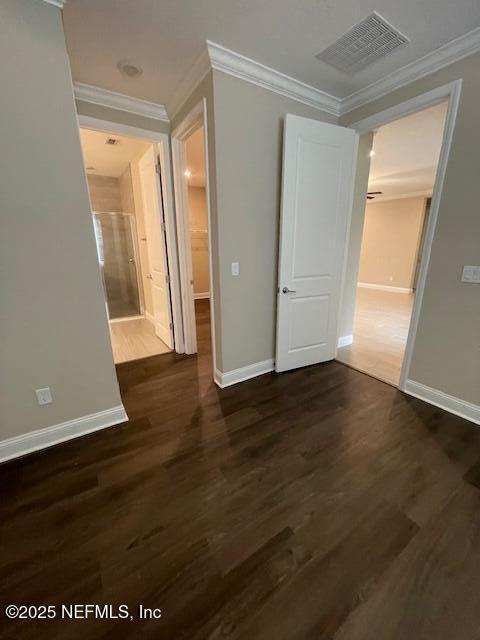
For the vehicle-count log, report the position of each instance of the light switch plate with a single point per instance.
(235, 268)
(471, 274)
(44, 396)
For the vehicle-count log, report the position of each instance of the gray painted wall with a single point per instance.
(447, 349)
(248, 133)
(54, 329)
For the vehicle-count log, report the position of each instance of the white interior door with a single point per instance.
(156, 245)
(318, 174)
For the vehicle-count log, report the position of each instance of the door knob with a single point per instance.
(287, 290)
(131, 260)
(150, 277)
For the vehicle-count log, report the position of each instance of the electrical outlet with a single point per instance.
(44, 396)
(235, 268)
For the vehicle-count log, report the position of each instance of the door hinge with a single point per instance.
(171, 326)
(167, 279)
(158, 168)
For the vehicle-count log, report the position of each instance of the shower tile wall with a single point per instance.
(104, 193)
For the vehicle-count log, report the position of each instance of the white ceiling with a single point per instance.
(165, 37)
(196, 158)
(406, 153)
(109, 160)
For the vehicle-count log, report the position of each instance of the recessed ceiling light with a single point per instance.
(129, 69)
(188, 174)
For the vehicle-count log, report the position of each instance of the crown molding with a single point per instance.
(214, 56)
(461, 47)
(189, 83)
(105, 98)
(256, 73)
(56, 3)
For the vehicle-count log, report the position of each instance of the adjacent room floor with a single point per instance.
(382, 319)
(319, 503)
(135, 339)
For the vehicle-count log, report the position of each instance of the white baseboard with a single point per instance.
(244, 373)
(444, 401)
(201, 296)
(127, 319)
(43, 438)
(344, 341)
(383, 287)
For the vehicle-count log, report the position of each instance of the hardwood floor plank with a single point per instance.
(319, 503)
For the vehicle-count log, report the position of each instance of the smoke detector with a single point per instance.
(364, 44)
(129, 69)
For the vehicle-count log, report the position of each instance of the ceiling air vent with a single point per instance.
(111, 141)
(367, 42)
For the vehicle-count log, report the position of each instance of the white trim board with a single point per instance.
(239, 66)
(96, 124)
(201, 296)
(139, 316)
(443, 400)
(120, 101)
(49, 436)
(56, 3)
(344, 341)
(383, 287)
(235, 376)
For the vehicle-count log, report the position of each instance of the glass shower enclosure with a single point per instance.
(115, 236)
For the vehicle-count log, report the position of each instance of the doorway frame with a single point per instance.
(193, 120)
(161, 141)
(450, 92)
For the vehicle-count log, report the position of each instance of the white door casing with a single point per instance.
(317, 191)
(156, 246)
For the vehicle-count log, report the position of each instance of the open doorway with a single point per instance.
(193, 218)
(127, 214)
(403, 167)
(198, 235)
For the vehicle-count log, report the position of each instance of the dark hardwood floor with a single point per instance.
(310, 505)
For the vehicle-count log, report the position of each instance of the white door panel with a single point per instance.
(156, 246)
(317, 189)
